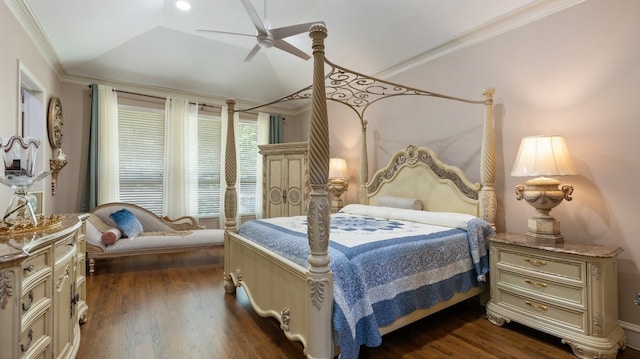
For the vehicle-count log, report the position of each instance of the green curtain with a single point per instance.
(276, 129)
(90, 195)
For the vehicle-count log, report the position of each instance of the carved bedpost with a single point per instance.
(230, 195)
(488, 202)
(364, 163)
(319, 276)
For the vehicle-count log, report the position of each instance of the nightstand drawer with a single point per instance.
(573, 270)
(542, 311)
(560, 293)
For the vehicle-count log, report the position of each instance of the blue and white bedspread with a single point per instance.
(386, 263)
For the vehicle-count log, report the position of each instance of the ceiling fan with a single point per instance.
(270, 37)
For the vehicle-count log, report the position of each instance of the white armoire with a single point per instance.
(285, 182)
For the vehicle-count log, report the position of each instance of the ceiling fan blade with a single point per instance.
(286, 31)
(253, 53)
(285, 46)
(224, 32)
(255, 18)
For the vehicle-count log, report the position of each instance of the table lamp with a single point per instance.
(542, 156)
(338, 181)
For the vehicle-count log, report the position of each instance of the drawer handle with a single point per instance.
(536, 262)
(537, 306)
(536, 284)
(25, 306)
(29, 268)
(25, 347)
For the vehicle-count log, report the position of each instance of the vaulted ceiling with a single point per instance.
(152, 43)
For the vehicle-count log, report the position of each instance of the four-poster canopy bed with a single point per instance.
(307, 293)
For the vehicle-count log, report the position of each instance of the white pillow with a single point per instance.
(447, 219)
(400, 202)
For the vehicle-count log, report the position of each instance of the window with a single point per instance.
(141, 154)
(248, 165)
(209, 164)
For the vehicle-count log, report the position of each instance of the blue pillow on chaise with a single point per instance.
(127, 223)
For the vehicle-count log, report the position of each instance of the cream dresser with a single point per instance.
(568, 290)
(42, 291)
(285, 179)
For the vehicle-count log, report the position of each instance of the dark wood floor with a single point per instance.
(174, 306)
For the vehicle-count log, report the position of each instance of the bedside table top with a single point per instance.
(583, 249)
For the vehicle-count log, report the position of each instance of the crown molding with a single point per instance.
(23, 13)
(515, 19)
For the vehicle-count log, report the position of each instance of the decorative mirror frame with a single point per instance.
(54, 127)
(55, 122)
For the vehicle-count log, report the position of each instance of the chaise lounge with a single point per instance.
(108, 236)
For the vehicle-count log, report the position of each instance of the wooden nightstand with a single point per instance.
(568, 290)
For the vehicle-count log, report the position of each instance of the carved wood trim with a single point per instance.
(285, 316)
(413, 156)
(6, 287)
(317, 289)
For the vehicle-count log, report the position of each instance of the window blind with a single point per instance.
(141, 153)
(248, 156)
(209, 164)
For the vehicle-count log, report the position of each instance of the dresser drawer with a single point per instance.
(64, 246)
(542, 288)
(33, 295)
(540, 311)
(35, 264)
(40, 349)
(34, 334)
(573, 270)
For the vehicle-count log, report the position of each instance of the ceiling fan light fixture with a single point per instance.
(267, 37)
(183, 5)
(265, 41)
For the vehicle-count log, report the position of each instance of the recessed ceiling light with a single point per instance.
(183, 5)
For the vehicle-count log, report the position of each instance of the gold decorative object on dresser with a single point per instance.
(42, 290)
(569, 290)
(285, 182)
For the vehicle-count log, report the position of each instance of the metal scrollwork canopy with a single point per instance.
(358, 91)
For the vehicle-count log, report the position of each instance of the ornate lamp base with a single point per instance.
(545, 229)
(337, 187)
(544, 194)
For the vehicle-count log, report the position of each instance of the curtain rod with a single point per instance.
(160, 97)
(164, 98)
